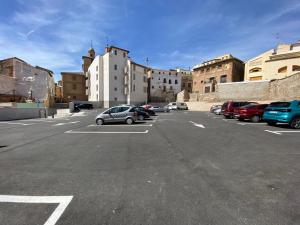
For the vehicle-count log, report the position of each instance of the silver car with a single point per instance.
(122, 113)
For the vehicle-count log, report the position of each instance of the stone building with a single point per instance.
(186, 80)
(73, 86)
(278, 63)
(58, 92)
(222, 69)
(24, 82)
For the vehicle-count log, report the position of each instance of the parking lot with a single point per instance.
(176, 168)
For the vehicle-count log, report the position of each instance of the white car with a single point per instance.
(177, 106)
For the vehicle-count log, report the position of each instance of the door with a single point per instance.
(121, 114)
(108, 116)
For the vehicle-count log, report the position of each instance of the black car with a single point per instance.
(149, 111)
(83, 106)
(141, 113)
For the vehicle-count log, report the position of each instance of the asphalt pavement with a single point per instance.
(179, 168)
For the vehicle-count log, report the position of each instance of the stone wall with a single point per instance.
(276, 90)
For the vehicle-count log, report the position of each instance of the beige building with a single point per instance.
(281, 62)
(73, 86)
(21, 81)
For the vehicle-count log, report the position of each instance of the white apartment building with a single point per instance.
(114, 79)
(164, 84)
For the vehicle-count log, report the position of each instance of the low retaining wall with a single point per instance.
(22, 113)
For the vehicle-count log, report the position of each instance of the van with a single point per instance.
(177, 106)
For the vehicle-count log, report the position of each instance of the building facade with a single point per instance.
(186, 80)
(164, 85)
(281, 62)
(24, 82)
(114, 79)
(222, 69)
(73, 86)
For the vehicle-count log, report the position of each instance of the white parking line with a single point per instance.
(14, 123)
(106, 132)
(243, 124)
(280, 132)
(197, 124)
(60, 124)
(62, 201)
(122, 125)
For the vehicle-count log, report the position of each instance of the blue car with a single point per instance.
(283, 112)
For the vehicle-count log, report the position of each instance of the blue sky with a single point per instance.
(178, 33)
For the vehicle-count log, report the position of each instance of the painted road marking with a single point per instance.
(121, 125)
(62, 201)
(60, 124)
(280, 132)
(14, 123)
(243, 124)
(197, 124)
(106, 132)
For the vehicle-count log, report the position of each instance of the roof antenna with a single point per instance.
(147, 61)
(91, 43)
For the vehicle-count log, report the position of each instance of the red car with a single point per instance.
(250, 112)
(147, 106)
(228, 108)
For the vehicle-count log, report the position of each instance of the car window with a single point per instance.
(173, 103)
(114, 110)
(236, 104)
(132, 109)
(280, 104)
(123, 109)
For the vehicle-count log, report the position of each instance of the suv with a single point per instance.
(250, 112)
(125, 114)
(283, 112)
(177, 105)
(228, 108)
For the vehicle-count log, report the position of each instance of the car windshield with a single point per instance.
(280, 104)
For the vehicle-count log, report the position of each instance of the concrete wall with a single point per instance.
(18, 114)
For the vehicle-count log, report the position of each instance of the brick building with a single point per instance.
(73, 86)
(222, 69)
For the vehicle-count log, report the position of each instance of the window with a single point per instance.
(159, 78)
(207, 89)
(223, 79)
(152, 87)
(164, 88)
(97, 97)
(176, 82)
(133, 67)
(96, 87)
(96, 68)
(116, 88)
(296, 68)
(133, 88)
(219, 66)
(171, 88)
(116, 66)
(133, 76)
(145, 70)
(124, 54)
(165, 80)
(158, 72)
(169, 73)
(116, 77)
(254, 70)
(189, 85)
(145, 89)
(152, 71)
(74, 87)
(96, 76)
(116, 99)
(115, 51)
(123, 109)
(170, 81)
(145, 79)
(282, 69)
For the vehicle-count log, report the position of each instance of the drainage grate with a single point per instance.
(3, 146)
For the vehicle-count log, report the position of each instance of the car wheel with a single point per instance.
(141, 117)
(255, 119)
(99, 121)
(295, 123)
(129, 121)
(241, 119)
(271, 123)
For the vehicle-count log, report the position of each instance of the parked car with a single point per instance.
(149, 111)
(228, 108)
(177, 106)
(141, 113)
(283, 112)
(218, 110)
(159, 109)
(147, 106)
(125, 114)
(214, 107)
(253, 112)
(83, 106)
